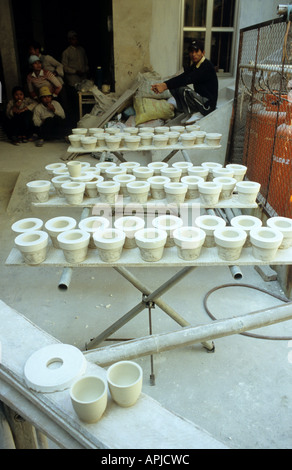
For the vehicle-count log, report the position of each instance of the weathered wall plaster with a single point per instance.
(131, 25)
(8, 48)
(165, 40)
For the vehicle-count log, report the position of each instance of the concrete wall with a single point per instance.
(132, 29)
(165, 36)
(257, 11)
(8, 49)
(146, 36)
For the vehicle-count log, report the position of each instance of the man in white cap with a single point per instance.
(74, 60)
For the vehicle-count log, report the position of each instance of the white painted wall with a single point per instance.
(257, 11)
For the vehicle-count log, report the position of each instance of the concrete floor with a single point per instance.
(241, 394)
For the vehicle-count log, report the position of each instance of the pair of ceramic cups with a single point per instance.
(89, 394)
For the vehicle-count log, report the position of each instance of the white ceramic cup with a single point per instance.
(125, 380)
(74, 168)
(89, 398)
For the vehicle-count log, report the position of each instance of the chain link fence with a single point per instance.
(261, 130)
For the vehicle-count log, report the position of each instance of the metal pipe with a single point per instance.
(229, 214)
(236, 212)
(186, 156)
(268, 67)
(190, 335)
(221, 213)
(282, 9)
(236, 272)
(65, 280)
(119, 156)
(85, 213)
(170, 155)
(210, 212)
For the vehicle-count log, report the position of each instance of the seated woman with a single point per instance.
(39, 78)
(48, 117)
(48, 62)
(19, 113)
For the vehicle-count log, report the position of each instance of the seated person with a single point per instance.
(202, 75)
(48, 117)
(48, 62)
(75, 63)
(39, 78)
(19, 113)
(74, 60)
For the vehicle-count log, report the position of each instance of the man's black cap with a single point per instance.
(197, 45)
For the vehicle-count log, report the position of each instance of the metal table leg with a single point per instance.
(152, 297)
(161, 303)
(146, 291)
(170, 155)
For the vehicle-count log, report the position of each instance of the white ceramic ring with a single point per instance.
(54, 368)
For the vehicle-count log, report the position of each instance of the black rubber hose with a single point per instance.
(251, 335)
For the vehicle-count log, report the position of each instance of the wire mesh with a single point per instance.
(261, 132)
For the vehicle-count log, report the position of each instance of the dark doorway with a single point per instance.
(49, 24)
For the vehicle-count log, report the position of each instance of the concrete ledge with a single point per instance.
(147, 425)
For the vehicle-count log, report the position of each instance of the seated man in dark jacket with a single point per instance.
(202, 75)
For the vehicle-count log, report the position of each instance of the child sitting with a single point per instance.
(48, 117)
(19, 113)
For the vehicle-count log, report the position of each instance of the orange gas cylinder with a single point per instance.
(267, 121)
(280, 187)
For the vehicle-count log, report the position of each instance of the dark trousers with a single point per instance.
(52, 128)
(21, 125)
(72, 111)
(68, 98)
(188, 101)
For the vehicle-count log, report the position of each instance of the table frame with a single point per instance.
(149, 298)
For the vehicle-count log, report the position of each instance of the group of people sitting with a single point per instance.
(50, 107)
(52, 101)
(28, 118)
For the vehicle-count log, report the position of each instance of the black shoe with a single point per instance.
(15, 140)
(39, 143)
